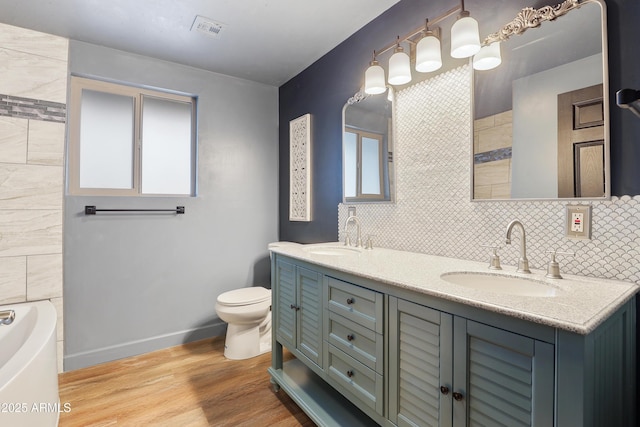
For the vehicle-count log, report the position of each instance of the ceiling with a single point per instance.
(268, 41)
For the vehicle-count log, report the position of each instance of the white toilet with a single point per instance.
(248, 314)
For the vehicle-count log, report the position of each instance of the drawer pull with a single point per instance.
(444, 390)
(351, 337)
(350, 373)
(295, 307)
(457, 396)
(350, 301)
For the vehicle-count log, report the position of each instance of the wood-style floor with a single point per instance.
(189, 385)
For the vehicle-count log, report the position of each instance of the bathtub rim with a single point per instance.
(39, 337)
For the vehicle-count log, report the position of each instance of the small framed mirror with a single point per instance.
(541, 119)
(367, 149)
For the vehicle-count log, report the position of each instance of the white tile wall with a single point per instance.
(433, 213)
(32, 132)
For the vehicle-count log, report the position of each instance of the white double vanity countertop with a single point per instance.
(574, 303)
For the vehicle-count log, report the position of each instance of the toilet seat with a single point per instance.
(244, 296)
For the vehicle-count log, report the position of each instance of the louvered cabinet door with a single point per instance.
(420, 363)
(284, 309)
(501, 378)
(309, 334)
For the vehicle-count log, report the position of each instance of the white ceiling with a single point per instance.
(268, 41)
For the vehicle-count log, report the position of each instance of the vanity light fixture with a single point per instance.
(488, 57)
(465, 38)
(399, 66)
(428, 55)
(374, 83)
(465, 42)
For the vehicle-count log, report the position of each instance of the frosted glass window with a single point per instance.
(166, 146)
(350, 164)
(129, 141)
(106, 140)
(370, 165)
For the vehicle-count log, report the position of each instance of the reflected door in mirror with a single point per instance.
(581, 170)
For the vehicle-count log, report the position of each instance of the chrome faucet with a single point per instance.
(347, 240)
(523, 262)
(7, 316)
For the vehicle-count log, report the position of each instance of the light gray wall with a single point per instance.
(534, 161)
(138, 282)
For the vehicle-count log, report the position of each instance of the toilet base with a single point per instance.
(246, 341)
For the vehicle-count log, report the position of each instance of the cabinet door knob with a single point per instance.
(350, 301)
(351, 337)
(457, 396)
(295, 307)
(349, 373)
(444, 390)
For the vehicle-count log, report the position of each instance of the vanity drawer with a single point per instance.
(355, 378)
(360, 305)
(363, 344)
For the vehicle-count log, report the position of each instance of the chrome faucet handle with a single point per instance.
(347, 240)
(553, 268)
(369, 244)
(494, 259)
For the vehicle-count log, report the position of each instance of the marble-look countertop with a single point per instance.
(579, 305)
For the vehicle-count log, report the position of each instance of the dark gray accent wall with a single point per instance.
(138, 282)
(323, 88)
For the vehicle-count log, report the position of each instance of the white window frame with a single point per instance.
(78, 84)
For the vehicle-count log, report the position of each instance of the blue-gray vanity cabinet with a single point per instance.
(446, 370)
(298, 313)
(420, 360)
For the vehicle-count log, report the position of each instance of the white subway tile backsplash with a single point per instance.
(433, 212)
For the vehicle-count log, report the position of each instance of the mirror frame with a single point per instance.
(530, 18)
(387, 155)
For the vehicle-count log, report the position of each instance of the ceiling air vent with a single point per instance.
(207, 26)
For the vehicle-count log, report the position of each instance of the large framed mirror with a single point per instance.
(367, 149)
(541, 119)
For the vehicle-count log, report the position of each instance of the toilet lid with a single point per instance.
(245, 296)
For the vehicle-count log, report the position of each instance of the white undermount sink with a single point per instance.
(503, 284)
(331, 250)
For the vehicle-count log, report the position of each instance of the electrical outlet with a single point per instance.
(578, 222)
(352, 211)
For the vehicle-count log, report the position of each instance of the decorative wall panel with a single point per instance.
(300, 169)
